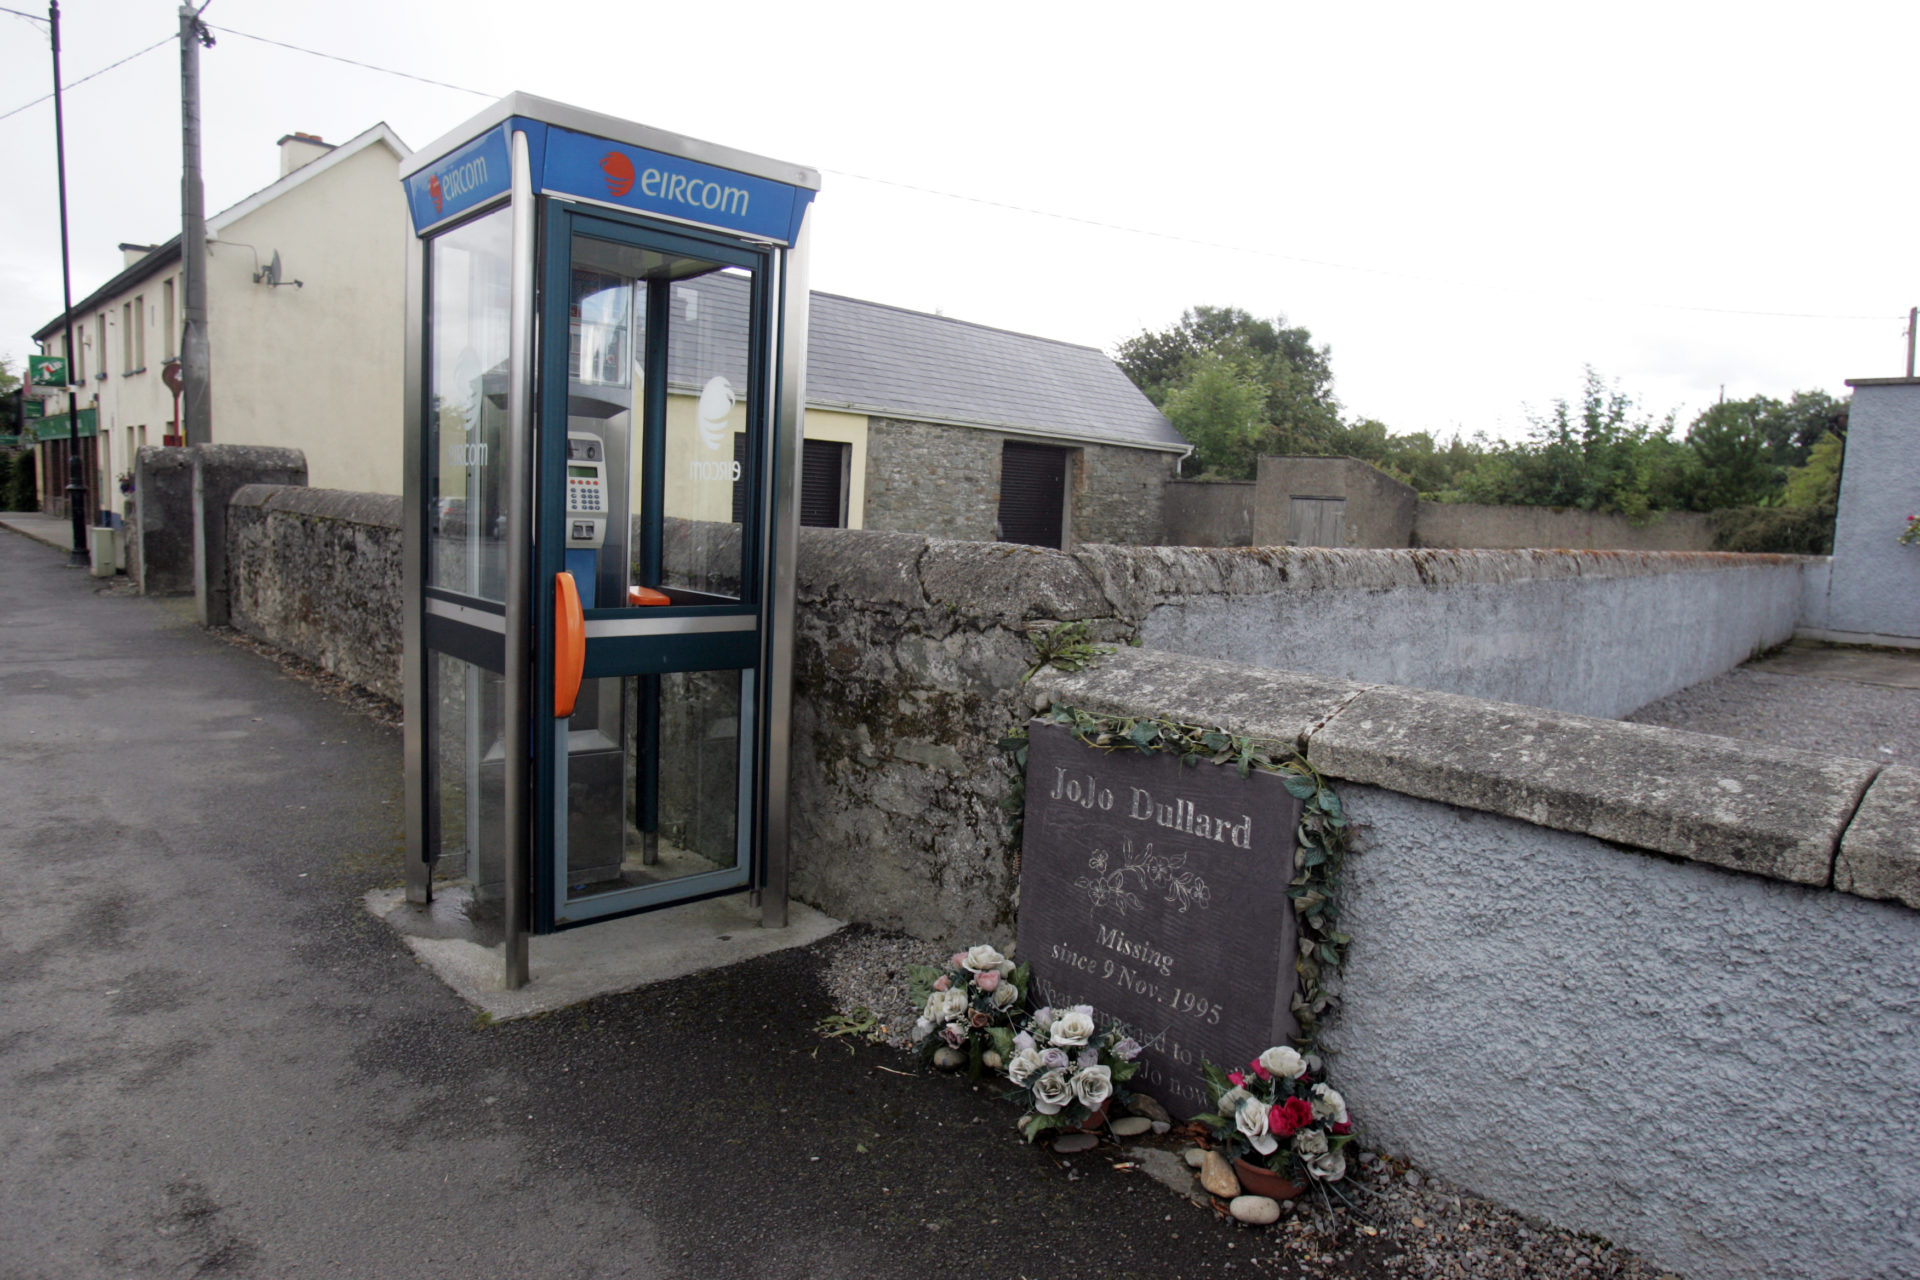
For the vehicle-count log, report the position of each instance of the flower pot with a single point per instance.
(1257, 1180)
(1093, 1123)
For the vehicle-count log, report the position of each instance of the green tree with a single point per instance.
(1817, 482)
(1736, 457)
(1220, 409)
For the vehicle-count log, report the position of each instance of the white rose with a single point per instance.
(1329, 1167)
(982, 958)
(1310, 1143)
(922, 1029)
(1230, 1100)
(1023, 1064)
(1043, 1018)
(1072, 1028)
(1329, 1105)
(1093, 1085)
(1250, 1118)
(1004, 994)
(1283, 1062)
(946, 1006)
(1052, 1092)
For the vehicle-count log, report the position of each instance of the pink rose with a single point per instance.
(959, 959)
(1259, 1070)
(941, 983)
(1237, 1079)
(987, 981)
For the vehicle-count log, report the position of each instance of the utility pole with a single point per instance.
(1913, 315)
(76, 485)
(195, 352)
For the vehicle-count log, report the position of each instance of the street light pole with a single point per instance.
(195, 349)
(76, 487)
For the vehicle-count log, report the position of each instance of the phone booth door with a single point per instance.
(651, 453)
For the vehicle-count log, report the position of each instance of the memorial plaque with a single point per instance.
(1157, 893)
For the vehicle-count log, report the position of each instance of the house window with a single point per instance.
(79, 360)
(1033, 494)
(823, 483)
(167, 331)
(100, 332)
(137, 334)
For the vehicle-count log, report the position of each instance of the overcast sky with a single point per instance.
(1467, 202)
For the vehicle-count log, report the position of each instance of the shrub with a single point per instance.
(1794, 531)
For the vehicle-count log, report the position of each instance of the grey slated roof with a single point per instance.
(872, 358)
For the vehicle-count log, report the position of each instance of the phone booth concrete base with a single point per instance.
(606, 352)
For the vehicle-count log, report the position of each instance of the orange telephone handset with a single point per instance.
(638, 596)
(569, 644)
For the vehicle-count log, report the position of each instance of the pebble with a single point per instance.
(1195, 1157)
(1413, 1179)
(1069, 1143)
(1159, 1126)
(1130, 1126)
(949, 1059)
(1145, 1105)
(1255, 1211)
(1216, 1175)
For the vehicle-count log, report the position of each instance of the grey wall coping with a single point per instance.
(378, 509)
(1731, 804)
(1880, 855)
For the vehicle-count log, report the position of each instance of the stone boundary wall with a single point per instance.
(1210, 513)
(1635, 980)
(1467, 524)
(317, 573)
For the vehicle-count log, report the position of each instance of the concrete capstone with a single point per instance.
(1880, 853)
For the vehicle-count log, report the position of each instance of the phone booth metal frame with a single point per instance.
(598, 647)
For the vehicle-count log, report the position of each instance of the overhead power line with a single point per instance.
(74, 84)
(352, 62)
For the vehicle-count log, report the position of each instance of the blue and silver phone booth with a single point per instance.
(606, 341)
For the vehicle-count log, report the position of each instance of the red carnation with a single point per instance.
(1289, 1117)
(1237, 1080)
(1343, 1128)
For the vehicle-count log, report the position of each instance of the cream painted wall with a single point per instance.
(317, 368)
(699, 481)
(128, 398)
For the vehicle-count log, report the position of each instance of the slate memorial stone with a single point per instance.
(1157, 893)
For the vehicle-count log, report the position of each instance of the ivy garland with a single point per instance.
(1322, 833)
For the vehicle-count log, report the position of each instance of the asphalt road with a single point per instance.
(214, 1062)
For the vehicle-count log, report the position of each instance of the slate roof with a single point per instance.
(867, 357)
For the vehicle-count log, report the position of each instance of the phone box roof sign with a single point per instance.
(565, 162)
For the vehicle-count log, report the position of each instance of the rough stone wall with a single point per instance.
(1715, 1070)
(163, 521)
(1209, 513)
(1466, 524)
(1875, 590)
(940, 481)
(1119, 495)
(317, 573)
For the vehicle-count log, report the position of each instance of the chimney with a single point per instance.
(297, 149)
(132, 253)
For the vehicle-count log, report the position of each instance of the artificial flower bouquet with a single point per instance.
(1066, 1068)
(1279, 1112)
(969, 1009)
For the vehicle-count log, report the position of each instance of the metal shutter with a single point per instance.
(740, 485)
(823, 469)
(1033, 493)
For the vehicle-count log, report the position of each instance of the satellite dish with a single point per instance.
(273, 269)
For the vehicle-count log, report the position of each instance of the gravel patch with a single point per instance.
(1387, 1219)
(1802, 713)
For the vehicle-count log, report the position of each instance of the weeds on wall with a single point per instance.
(1322, 836)
(1068, 646)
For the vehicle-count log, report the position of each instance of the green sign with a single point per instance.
(47, 371)
(32, 408)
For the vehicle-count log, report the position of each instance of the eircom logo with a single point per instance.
(716, 412)
(619, 171)
(439, 196)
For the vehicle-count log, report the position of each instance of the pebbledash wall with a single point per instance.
(1641, 982)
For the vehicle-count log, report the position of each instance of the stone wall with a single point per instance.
(1630, 979)
(1375, 509)
(1209, 513)
(317, 572)
(162, 535)
(944, 482)
(1466, 524)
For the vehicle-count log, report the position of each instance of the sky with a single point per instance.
(1470, 204)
